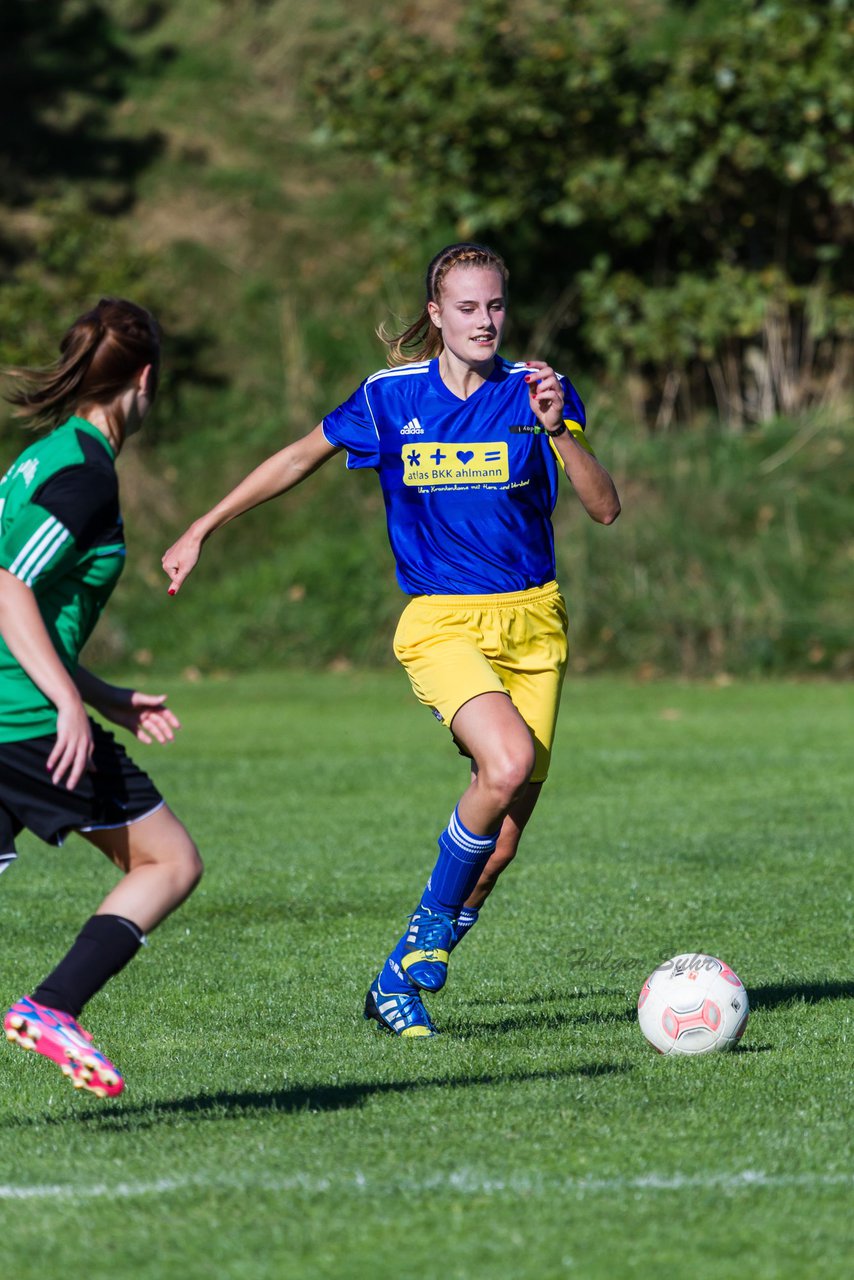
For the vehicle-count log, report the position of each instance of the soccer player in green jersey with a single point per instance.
(61, 553)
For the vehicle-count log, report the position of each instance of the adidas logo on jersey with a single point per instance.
(412, 428)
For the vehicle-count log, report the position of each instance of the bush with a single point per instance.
(671, 186)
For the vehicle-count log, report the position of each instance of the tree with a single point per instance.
(673, 190)
(67, 166)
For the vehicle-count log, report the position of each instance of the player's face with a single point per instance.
(471, 313)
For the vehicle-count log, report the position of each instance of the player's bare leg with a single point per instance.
(491, 730)
(162, 867)
(499, 742)
(506, 845)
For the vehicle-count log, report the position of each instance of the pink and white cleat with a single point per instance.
(57, 1036)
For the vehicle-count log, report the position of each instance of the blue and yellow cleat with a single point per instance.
(400, 1013)
(429, 941)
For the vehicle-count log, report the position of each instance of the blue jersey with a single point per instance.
(469, 485)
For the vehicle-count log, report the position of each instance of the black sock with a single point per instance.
(102, 948)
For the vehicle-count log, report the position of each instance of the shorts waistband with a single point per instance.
(501, 600)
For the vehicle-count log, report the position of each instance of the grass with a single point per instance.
(265, 1130)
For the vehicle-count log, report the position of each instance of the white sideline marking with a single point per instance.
(463, 1180)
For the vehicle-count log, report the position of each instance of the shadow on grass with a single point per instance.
(768, 997)
(772, 997)
(300, 1098)
(540, 1019)
(557, 995)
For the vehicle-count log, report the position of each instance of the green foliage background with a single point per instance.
(671, 183)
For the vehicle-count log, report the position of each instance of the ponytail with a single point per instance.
(99, 356)
(421, 341)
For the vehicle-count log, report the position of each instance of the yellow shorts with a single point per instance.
(456, 647)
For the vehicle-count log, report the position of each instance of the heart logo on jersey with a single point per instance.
(465, 455)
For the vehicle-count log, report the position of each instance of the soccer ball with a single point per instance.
(692, 1003)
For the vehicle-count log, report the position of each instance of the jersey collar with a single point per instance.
(83, 424)
(498, 374)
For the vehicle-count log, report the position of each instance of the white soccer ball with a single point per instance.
(692, 1003)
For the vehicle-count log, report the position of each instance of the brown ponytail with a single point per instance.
(422, 340)
(99, 356)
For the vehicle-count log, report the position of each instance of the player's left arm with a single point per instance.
(592, 483)
(145, 715)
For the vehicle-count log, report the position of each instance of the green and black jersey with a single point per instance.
(60, 534)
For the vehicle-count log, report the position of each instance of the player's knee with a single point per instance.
(508, 775)
(180, 860)
(190, 867)
(176, 850)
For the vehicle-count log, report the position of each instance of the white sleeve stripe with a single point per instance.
(62, 536)
(45, 528)
(40, 549)
(58, 541)
(27, 570)
(402, 371)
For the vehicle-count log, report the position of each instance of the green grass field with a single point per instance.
(267, 1131)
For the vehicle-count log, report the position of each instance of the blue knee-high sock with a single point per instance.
(462, 857)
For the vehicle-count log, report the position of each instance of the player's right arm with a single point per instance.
(279, 473)
(28, 641)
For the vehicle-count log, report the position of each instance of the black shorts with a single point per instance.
(113, 792)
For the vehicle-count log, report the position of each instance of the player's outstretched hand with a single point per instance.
(146, 716)
(181, 559)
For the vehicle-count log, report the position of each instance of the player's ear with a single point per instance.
(434, 314)
(145, 380)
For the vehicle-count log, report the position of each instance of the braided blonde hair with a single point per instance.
(422, 340)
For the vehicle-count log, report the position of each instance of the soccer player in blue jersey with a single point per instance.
(468, 448)
(62, 550)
